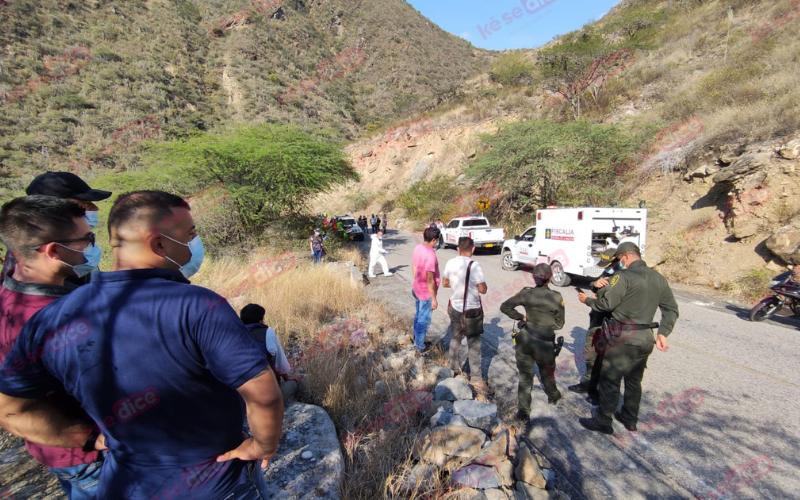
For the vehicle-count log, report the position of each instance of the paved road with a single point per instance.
(743, 410)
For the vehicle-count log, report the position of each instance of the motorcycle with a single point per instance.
(786, 292)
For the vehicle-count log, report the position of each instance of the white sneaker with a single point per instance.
(372, 276)
(389, 274)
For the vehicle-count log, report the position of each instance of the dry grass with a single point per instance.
(751, 287)
(348, 381)
(785, 212)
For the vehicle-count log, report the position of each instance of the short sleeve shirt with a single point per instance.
(18, 302)
(155, 362)
(424, 259)
(456, 271)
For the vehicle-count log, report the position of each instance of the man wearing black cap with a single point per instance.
(535, 342)
(632, 299)
(68, 186)
(593, 359)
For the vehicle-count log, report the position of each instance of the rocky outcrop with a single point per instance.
(746, 171)
(468, 445)
(309, 464)
(790, 150)
(785, 242)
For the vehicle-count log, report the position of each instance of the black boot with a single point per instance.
(594, 425)
(579, 388)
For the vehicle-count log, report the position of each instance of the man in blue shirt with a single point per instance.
(159, 364)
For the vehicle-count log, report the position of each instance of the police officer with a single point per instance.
(534, 343)
(593, 360)
(632, 299)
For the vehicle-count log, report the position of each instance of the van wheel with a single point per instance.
(508, 262)
(560, 278)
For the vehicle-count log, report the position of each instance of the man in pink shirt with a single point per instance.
(50, 238)
(425, 268)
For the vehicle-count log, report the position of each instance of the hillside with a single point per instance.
(73, 75)
(707, 85)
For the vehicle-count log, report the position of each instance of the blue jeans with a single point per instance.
(79, 482)
(422, 321)
(256, 486)
(317, 256)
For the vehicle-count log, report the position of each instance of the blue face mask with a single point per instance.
(195, 261)
(92, 219)
(93, 254)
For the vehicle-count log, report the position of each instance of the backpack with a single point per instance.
(258, 332)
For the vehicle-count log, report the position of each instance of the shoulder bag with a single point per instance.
(471, 319)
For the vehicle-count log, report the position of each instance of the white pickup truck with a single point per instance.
(478, 229)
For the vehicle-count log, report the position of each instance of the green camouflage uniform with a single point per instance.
(632, 297)
(544, 309)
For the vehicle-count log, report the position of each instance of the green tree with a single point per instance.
(538, 162)
(511, 69)
(269, 172)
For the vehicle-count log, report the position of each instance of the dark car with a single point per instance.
(351, 228)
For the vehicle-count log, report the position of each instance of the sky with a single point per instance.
(514, 29)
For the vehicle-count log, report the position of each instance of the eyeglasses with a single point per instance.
(90, 239)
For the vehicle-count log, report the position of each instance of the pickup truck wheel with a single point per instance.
(560, 278)
(508, 262)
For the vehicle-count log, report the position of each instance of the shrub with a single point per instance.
(511, 69)
(539, 162)
(269, 172)
(427, 200)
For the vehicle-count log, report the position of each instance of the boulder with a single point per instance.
(701, 172)
(528, 470)
(729, 152)
(441, 372)
(785, 242)
(523, 491)
(444, 417)
(790, 150)
(420, 476)
(452, 389)
(439, 445)
(512, 437)
(306, 429)
(742, 166)
(482, 477)
(495, 494)
(434, 406)
(495, 451)
(745, 231)
(477, 414)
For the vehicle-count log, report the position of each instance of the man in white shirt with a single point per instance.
(376, 255)
(454, 277)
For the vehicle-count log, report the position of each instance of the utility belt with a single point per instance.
(538, 335)
(614, 329)
(557, 344)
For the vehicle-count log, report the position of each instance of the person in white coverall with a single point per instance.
(376, 255)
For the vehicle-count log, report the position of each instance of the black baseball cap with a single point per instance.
(64, 185)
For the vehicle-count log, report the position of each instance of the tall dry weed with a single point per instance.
(349, 381)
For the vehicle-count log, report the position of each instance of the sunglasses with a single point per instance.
(90, 239)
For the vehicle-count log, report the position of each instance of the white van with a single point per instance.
(572, 239)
